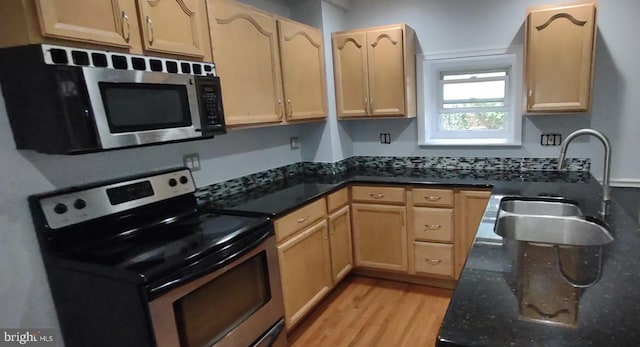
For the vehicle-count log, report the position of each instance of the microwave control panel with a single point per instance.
(210, 99)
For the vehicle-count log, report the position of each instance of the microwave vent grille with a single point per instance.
(71, 56)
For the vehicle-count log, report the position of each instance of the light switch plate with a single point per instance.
(192, 161)
(294, 142)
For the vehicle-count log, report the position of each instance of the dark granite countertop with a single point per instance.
(510, 293)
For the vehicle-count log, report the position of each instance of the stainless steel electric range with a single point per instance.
(133, 262)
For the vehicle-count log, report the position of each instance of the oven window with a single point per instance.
(139, 107)
(207, 314)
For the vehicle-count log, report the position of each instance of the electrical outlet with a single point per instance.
(385, 138)
(294, 142)
(551, 139)
(192, 161)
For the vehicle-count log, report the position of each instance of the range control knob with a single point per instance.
(184, 179)
(60, 208)
(173, 182)
(79, 204)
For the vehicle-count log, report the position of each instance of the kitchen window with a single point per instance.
(470, 99)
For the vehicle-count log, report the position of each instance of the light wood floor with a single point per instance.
(369, 312)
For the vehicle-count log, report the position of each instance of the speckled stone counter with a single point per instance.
(510, 293)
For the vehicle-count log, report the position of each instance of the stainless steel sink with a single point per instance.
(548, 221)
(540, 207)
(555, 230)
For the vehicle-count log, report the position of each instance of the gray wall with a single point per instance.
(450, 26)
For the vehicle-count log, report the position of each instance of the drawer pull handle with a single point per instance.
(432, 226)
(433, 198)
(433, 261)
(376, 196)
(302, 220)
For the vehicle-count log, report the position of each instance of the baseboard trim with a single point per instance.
(401, 277)
(626, 182)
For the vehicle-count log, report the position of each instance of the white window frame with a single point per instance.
(429, 70)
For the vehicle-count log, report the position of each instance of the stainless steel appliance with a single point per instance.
(133, 262)
(67, 100)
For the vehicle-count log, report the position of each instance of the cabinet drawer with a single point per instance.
(433, 197)
(434, 258)
(390, 195)
(433, 224)
(299, 219)
(337, 199)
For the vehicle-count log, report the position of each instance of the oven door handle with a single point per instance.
(270, 337)
(203, 267)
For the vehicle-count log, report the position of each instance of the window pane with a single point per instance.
(449, 77)
(473, 104)
(473, 121)
(474, 90)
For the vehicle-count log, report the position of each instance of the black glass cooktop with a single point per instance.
(169, 245)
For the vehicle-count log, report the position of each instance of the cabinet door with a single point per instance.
(109, 22)
(245, 49)
(386, 72)
(173, 26)
(559, 60)
(303, 76)
(305, 270)
(380, 236)
(340, 237)
(470, 206)
(350, 68)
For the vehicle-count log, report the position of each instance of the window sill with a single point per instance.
(472, 142)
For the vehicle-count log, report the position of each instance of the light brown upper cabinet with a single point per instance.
(174, 26)
(375, 72)
(248, 54)
(110, 23)
(303, 75)
(171, 28)
(560, 46)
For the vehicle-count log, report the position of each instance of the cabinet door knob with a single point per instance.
(433, 261)
(433, 198)
(376, 196)
(125, 21)
(150, 29)
(281, 108)
(302, 220)
(432, 226)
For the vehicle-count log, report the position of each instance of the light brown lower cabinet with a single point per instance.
(380, 237)
(305, 271)
(417, 235)
(470, 206)
(341, 245)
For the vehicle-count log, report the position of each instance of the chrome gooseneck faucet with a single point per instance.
(607, 156)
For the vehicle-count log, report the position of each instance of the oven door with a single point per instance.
(233, 306)
(139, 107)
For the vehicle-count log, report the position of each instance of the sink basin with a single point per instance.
(540, 207)
(555, 230)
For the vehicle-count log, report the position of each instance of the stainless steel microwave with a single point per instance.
(68, 101)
